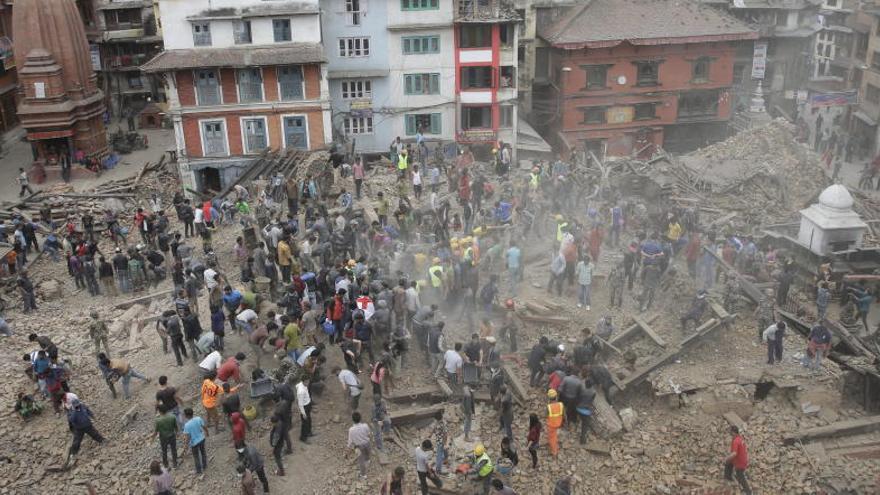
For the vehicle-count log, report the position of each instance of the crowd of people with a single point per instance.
(373, 274)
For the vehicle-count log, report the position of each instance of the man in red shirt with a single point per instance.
(239, 428)
(737, 461)
(231, 369)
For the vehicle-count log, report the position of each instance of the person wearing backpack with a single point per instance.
(79, 420)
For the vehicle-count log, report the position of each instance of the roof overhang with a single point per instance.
(717, 38)
(286, 54)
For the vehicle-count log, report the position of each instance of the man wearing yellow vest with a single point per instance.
(561, 226)
(435, 272)
(483, 467)
(402, 163)
(555, 415)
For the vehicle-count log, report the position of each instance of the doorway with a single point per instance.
(211, 179)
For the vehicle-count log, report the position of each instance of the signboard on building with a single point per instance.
(835, 99)
(477, 135)
(95, 55)
(619, 115)
(759, 60)
(361, 108)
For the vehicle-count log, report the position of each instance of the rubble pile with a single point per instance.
(763, 174)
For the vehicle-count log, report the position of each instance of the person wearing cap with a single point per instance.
(482, 468)
(696, 310)
(555, 416)
(98, 332)
(772, 338)
(230, 370)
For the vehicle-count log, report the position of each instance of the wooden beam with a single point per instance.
(410, 415)
(551, 320)
(734, 420)
(841, 428)
(649, 331)
(853, 342)
(143, 299)
(643, 371)
(630, 330)
(752, 292)
(515, 385)
(428, 392)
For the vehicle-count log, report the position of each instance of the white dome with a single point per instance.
(836, 196)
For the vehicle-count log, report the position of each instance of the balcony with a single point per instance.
(485, 11)
(127, 62)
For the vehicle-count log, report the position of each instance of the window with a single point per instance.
(354, 47)
(353, 12)
(207, 87)
(281, 28)
(596, 75)
(357, 89)
(202, 34)
(213, 139)
(506, 116)
(506, 34)
(250, 85)
(421, 84)
(875, 60)
(476, 117)
(358, 125)
(428, 123)
(594, 115)
(645, 111)
(123, 19)
(521, 54)
(415, 45)
(700, 70)
(255, 138)
(475, 36)
(872, 94)
(241, 32)
(476, 77)
(697, 104)
(135, 81)
(290, 82)
(419, 4)
(647, 73)
(507, 77)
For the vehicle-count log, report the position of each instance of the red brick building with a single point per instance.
(631, 73)
(242, 76)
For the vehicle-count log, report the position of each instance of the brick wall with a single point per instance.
(192, 136)
(229, 88)
(316, 130)
(186, 89)
(270, 84)
(312, 78)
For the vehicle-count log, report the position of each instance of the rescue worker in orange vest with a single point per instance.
(555, 415)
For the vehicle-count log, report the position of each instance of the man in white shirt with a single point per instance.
(452, 362)
(211, 363)
(304, 402)
(412, 299)
(351, 384)
(246, 320)
(210, 280)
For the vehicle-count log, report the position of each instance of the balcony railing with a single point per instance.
(485, 10)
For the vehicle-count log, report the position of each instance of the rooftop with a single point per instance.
(268, 10)
(277, 54)
(606, 23)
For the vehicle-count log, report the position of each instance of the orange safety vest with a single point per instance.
(555, 411)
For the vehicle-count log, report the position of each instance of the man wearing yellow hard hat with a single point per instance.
(483, 467)
(555, 415)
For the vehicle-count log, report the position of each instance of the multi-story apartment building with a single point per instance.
(241, 77)
(127, 37)
(391, 70)
(486, 71)
(627, 74)
(780, 59)
(864, 123)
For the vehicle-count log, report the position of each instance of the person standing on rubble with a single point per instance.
(555, 417)
(98, 332)
(736, 463)
(765, 312)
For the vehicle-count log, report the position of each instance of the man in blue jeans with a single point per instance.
(195, 432)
